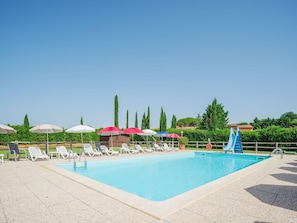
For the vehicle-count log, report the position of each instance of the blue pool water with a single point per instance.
(159, 178)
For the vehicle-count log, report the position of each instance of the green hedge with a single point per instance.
(270, 134)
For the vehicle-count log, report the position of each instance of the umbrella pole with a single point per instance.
(82, 144)
(47, 144)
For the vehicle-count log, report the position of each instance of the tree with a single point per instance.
(148, 119)
(136, 120)
(214, 117)
(127, 119)
(81, 120)
(173, 122)
(26, 123)
(288, 119)
(163, 121)
(143, 121)
(188, 122)
(116, 111)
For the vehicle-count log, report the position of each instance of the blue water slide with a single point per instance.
(237, 148)
(231, 141)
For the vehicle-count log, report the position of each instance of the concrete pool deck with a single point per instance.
(35, 191)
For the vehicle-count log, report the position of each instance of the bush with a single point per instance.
(183, 140)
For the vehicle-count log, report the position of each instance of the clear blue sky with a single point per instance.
(61, 60)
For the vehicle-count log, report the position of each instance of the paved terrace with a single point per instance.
(35, 192)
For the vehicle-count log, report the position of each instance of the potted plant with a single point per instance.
(183, 141)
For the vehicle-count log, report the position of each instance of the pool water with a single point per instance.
(159, 178)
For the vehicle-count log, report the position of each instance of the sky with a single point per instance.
(61, 60)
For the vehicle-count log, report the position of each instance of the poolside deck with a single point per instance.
(33, 192)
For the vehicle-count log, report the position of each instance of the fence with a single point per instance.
(250, 146)
(216, 145)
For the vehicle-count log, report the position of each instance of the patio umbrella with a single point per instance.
(110, 131)
(81, 129)
(162, 134)
(132, 131)
(5, 129)
(46, 128)
(173, 136)
(147, 133)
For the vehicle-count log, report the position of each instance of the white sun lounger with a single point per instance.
(125, 149)
(62, 152)
(89, 150)
(35, 153)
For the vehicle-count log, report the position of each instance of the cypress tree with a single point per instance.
(173, 122)
(26, 123)
(148, 119)
(136, 120)
(116, 111)
(127, 119)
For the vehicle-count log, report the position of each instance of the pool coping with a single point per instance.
(160, 209)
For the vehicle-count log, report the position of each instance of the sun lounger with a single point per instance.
(125, 149)
(158, 148)
(89, 150)
(104, 150)
(138, 147)
(169, 148)
(35, 153)
(62, 152)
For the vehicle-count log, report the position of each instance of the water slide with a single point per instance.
(230, 145)
(234, 142)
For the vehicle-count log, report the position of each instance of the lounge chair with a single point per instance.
(108, 151)
(2, 158)
(167, 148)
(125, 149)
(89, 150)
(139, 148)
(62, 152)
(104, 150)
(35, 153)
(16, 151)
(158, 148)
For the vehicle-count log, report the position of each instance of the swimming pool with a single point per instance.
(158, 178)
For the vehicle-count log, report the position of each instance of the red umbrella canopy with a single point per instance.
(173, 135)
(132, 130)
(110, 130)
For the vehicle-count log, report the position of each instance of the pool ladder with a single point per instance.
(80, 164)
(277, 151)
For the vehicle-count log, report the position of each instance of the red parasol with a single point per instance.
(110, 131)
(132, 130)
(173, 136)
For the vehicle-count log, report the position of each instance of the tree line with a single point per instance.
(212, 124)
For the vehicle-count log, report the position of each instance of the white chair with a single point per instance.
(158, 148)
(2, 158)
(125, 149)
(107, 151)
(166, 147)
(35, 153)
(104, 150)
(89, 150)
(139, 148)
(62, 151)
